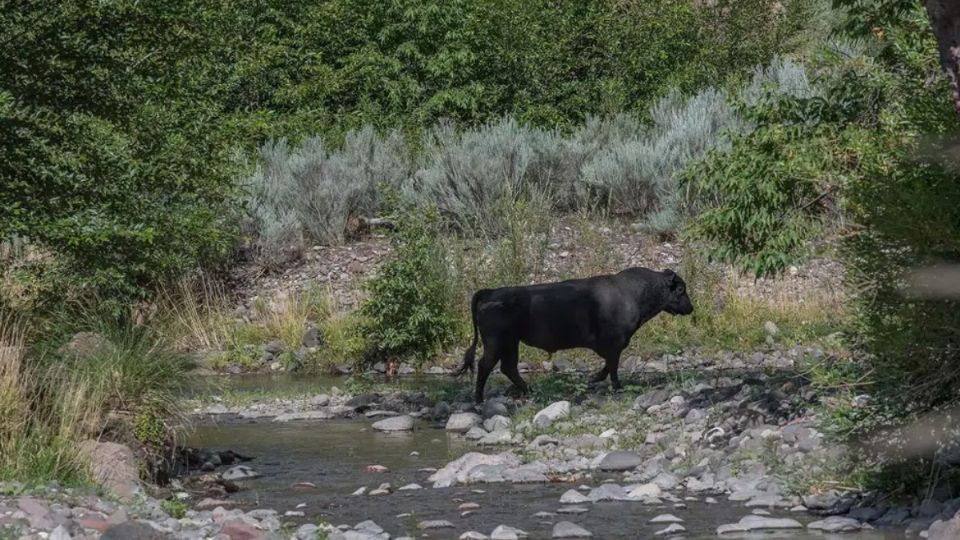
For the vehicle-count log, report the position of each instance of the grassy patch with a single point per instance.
(125, 389)
(724, 320)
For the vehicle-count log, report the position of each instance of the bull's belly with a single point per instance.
(553, 344)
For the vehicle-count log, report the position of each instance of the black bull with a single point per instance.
(600, 313)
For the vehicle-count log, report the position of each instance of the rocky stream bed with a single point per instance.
(721, 451)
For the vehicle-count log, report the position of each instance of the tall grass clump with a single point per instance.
(311, 193)
(727, 320)
(125, 389)
(194, 315)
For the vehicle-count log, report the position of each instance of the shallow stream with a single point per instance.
(334, 456)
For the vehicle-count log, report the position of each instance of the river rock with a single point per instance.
(572, 496)
(113, 467)
(457, 471)
(645, 490)
(573, 510)
(497, 437)
(60, 533)
(462, 422)
(363, 401)
(240, 472)
(496, 423)
(759, 523)
(945, 530)
(473, 535)
(530, 473)
(835, 524)
(396, 423)
(505, 532)
(485, 474)
(476, 433)
(548, 415)
(567, 529)
(666, 518)
(134, 530)
(768, 500)
(620, 461)
(607, 492)
(410, 487)
(435, 524)
(671, 530)
(649, 399)
(494, 407)
(304, 415)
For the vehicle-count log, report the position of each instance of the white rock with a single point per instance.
(552, 413)
(505, 532)
(835, 524)
(303, 415)
(473, 535)
(435, 524)
(396, 423)
(458, 470)
(462, 422)
(60, 533)
(496, 423)
(566, 529)
(759, 523)
(645, 490)
(409, 487)
(666, 518)
(672, 529)
(573, 496)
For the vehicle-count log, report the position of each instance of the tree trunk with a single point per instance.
(945, 20)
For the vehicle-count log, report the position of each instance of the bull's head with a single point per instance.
(677, 301)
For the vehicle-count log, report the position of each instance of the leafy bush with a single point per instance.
(640, 175)
(409, 309)
(113, 152)
(768, 194)
(470, 173)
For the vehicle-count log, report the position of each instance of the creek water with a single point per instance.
(334, 456)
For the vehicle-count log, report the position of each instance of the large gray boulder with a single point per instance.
(462, 422)
(566, 529)
(113, 466)
(836, 524)
(620, 460)
(551, 413)
(945, 530)
(394, 423)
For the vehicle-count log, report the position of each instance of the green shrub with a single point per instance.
(556, 386)
(113, 155)
(409, 310)
(175, 507)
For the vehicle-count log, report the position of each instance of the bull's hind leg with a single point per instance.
(509, 366)
(491, 353)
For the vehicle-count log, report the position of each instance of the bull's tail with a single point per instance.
(469, 357)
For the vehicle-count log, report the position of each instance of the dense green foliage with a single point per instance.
(410, 309)
(118, 120)
(112, 150)
(870, 145)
